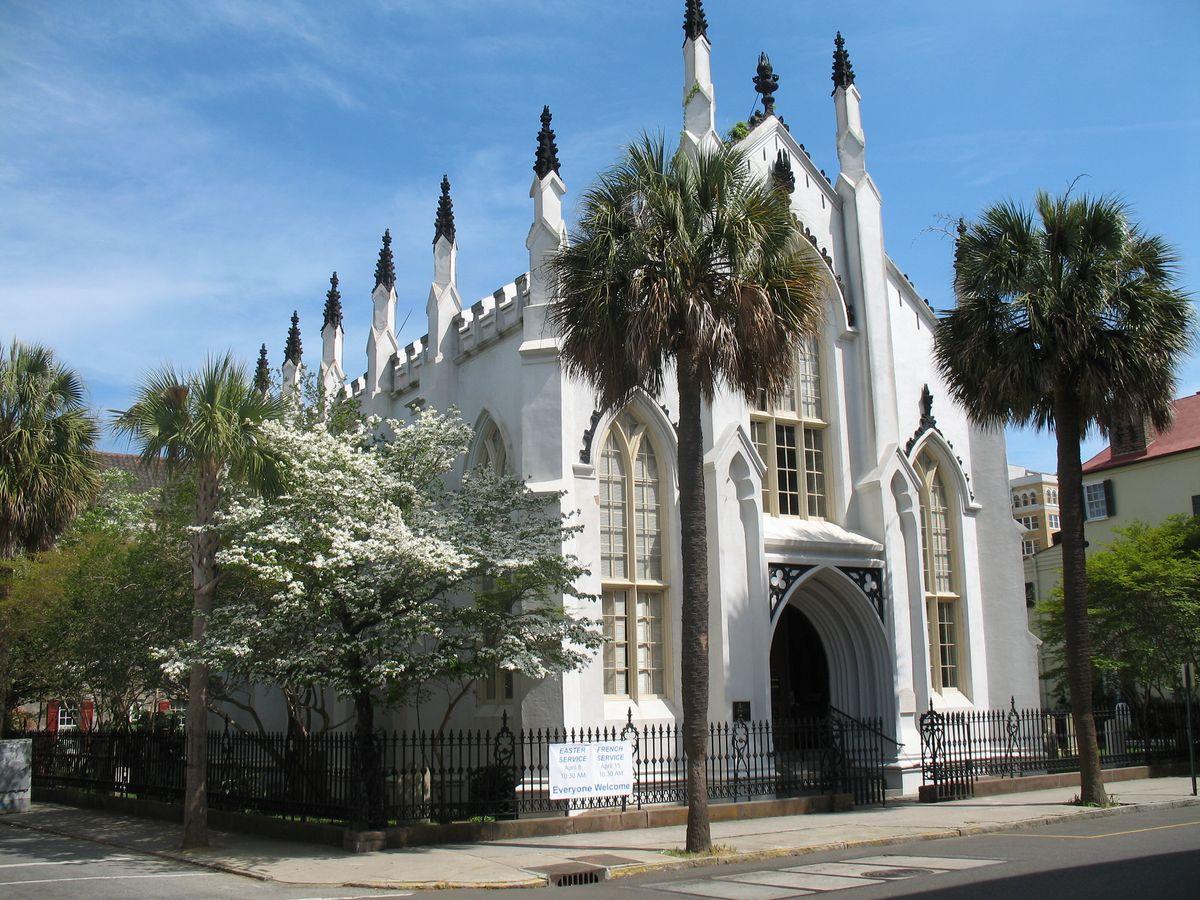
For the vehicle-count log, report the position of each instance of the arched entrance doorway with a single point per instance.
(829, 648)
(799, 669)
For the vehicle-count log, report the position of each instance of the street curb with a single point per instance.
(668, 865)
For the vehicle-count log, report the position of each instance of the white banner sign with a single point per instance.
(591, 770)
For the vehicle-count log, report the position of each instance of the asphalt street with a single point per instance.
(1140, 855)
(44, 866)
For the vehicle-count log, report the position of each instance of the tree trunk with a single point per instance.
(368, 810)
(694, 607)
(1075, 604)
(204, 575)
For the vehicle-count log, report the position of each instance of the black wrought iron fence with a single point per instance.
(961, 746)
(463, 774)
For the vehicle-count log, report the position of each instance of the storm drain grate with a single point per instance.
(571, 879)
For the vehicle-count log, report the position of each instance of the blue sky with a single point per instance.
(176, 178)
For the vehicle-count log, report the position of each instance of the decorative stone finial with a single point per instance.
(443, 225)
(385, 268)
(292, 350)
(927, 419)
(262, 372)
(843, 72)
(333, 304)
(694, 21)
(960, 231)
(782, 176)
(766, 82)
(546, 159)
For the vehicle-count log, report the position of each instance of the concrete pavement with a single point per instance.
(524, 862)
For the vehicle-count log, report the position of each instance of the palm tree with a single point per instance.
(49, 470)
(207, 425)
(1067, 317)
(691, 264)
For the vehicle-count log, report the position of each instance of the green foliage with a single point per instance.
(1069, 295)
(87, 615)
(49, 471)
(736, 132)
(1143, 604)
(674, 256)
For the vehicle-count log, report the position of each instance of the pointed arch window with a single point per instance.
(942, 575)
(632, 561)
(789, 434)
(491, 454)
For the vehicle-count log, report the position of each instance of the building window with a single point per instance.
(941, 575)
(1051, 496)
(632, 562)
(789, 434)
(491, 455)
(1055, 521)
(1028, 548)
(1095, 500)
(68, 717)
(496, 686)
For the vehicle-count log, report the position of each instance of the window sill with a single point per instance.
(951, 699)
(617, 709)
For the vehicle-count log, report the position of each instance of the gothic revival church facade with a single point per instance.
(862, 551)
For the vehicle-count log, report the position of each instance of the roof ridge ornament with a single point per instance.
(843, 72)
(766, 82)
(695, 23)
(385, 268)
(293, 349)
(262, 372)
(443, 225)
(546, 158)
(333, 304)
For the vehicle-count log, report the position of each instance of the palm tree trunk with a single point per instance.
(1075, 620)
(204, 576)
(694, 606)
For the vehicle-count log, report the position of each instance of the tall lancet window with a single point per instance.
(498, 685)
(789, 434)
(939, 524)
(491, 454)
(632, 561)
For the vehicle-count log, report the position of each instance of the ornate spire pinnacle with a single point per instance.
(333, 304)
(385, 268)
(546, 160)
(843, 72)
(292, 349)
(694, 21)
(782, 176)
(960, 232)
(443, 225)
(766, 82)
(262, 372)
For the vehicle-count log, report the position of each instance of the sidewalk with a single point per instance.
(522, 862)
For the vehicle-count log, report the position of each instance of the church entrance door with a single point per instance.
(799, 669)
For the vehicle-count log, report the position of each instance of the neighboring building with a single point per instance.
(862, 549)
(1035, 506)
(1141, 476)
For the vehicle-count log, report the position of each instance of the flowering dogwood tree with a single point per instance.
(376, 580)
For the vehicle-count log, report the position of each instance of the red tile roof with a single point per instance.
(1184, 434)
(145, 478)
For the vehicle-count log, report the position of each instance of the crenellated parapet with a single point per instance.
(489, 319)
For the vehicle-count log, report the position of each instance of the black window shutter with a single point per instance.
(1196, 504)
(1110, 501)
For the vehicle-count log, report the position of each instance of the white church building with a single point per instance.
(863, 554)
